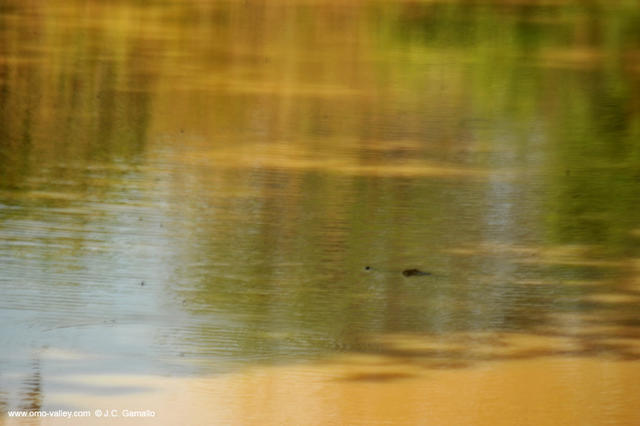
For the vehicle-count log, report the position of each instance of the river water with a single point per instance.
(206, 209)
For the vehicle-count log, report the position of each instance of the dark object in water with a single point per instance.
(406, 272)
(141, 283)
(414, 273)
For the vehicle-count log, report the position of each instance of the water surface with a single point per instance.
(190, 193)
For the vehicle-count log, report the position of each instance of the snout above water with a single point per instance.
(411, 272)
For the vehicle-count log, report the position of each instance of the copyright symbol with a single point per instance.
(98, 413)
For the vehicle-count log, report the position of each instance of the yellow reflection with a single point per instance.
(360, 389)
(578, 255)
(298, 158)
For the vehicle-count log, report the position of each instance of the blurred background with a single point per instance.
(192, 187)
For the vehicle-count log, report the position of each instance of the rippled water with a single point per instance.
(191, 189)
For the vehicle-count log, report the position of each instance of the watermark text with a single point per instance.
(68, 414)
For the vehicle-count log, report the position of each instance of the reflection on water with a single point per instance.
(191, 188)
